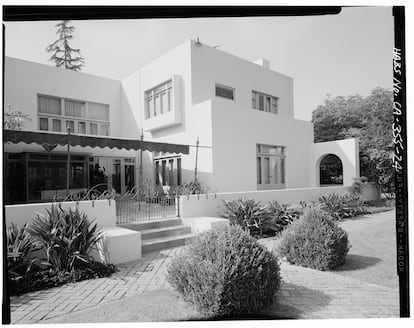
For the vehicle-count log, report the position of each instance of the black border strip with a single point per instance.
(400, 158)
(28, 13)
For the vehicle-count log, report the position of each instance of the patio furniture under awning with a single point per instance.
(46, 138)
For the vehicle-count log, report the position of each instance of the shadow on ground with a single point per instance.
(293, 301)
(357, 262)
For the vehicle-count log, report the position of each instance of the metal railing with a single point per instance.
(145, 209)
(135, 205)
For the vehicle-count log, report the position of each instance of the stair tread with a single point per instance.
(171, 228)
(166, 239)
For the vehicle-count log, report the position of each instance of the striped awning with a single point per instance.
(46, 138)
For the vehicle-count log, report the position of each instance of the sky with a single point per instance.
(341, 55)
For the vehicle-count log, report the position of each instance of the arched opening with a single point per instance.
(330, 171)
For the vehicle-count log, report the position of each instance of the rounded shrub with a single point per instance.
(225, 273)
(314, 241)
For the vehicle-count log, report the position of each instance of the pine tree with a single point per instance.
(62, 53)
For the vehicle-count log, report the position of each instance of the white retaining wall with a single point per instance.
(104, 211)
(211, 204)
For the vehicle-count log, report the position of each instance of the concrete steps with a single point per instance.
(156, 244)
(158, 235)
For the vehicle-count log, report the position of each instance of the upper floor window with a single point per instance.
(158, 100)
(225, 92)
(264, 102)
(82, 117)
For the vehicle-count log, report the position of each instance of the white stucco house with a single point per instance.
(241, 112)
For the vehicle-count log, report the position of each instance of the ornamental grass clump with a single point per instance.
(314, 241)
(225, 273)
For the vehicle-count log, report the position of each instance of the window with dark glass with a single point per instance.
(224, 91)
(83, 117)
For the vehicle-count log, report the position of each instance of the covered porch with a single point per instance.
(40, 165)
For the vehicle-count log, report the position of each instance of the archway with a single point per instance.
(330, 170)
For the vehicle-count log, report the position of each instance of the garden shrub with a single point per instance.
(251, 215)
(225, 273)
(314, 241)
(66, 238)
(343, 206)
(191, 188)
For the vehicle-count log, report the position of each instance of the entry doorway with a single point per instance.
(112, 173)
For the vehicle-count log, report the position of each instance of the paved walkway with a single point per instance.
(305, 293)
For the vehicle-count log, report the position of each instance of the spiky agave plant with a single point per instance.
(66, 236)
(20, 246)
(250, 215)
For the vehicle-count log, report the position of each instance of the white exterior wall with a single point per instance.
(211, 205)
(211, 66)
(24, 80)
(103, 211)
(231, 128)
(348, 152)
(237, 130)
(191, 121)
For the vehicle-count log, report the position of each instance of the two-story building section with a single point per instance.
(241, 112)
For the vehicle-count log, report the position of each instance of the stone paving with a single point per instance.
(304, 293)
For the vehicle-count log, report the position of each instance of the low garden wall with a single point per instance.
(211, 204)
(104, 211)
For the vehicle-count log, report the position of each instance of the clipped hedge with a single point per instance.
(314, 241)
(225, 273)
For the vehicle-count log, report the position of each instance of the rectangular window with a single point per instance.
(82, 117)
(74, 108)
(270, 166)
(98, 111)
(93, 128)
(163, 173)
(259, 170)
(104, 130)
(171, 171)
(168, 171)
(264, 102)
(57, 125)
(49, 105)
(157, 173)
(81, 127)
(178, 171)
(158, 100)
(71, 125)
(224, 92)
(43, 124)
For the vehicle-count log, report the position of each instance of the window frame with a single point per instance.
(225, 87)
(276, 158)
(64, 119)
(151, 95)
(273, 104)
